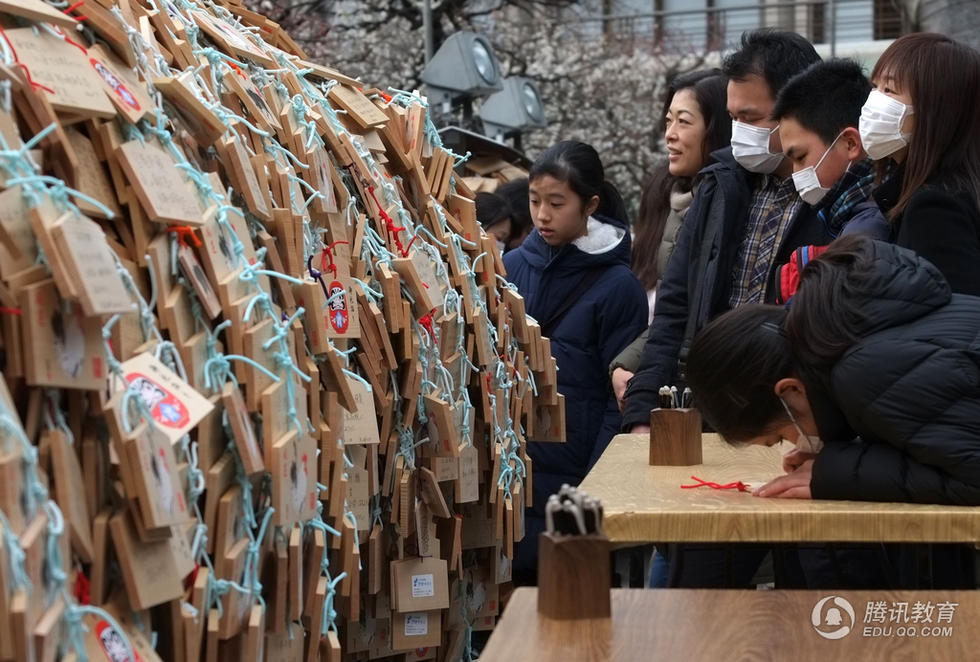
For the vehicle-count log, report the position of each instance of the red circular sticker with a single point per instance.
(339, 315)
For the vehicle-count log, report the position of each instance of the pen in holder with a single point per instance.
(573, 559)
(675, 437)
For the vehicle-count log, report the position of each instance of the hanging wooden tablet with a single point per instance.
(360, 426)
(243, 431)
(165, 193)
(63, 347)
(185, 94)
(199, 281)
(124, 89)
(149, 572)
(91, 265)
(293, 468)
(71, 494)
(69, 82)
(173, 404)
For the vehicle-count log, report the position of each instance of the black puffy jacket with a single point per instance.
(900, 411)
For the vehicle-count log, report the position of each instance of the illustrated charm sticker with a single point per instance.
(117, 85)
(339, 314)
(69, 340)
(112, 643)
(298, 471)
(165, 408)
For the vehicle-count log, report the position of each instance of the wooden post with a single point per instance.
(573, 576)
(675, 437)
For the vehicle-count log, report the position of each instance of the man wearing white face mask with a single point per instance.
(746, 218)
(818, 113)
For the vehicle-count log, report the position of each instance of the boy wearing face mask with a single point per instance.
(818, 113)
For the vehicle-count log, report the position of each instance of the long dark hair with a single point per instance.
(942, 76)
(711, 93)
(578, 165)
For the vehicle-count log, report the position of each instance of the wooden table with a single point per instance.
(645, 504)
(737, 625)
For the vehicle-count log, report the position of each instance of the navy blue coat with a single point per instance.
(604, 320)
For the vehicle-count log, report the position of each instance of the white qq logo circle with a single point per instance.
(832, 618)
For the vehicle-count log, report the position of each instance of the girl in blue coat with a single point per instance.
(573, 271)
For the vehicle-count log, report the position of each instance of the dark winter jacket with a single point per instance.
(697, 284)
(848, 207)
(583, 341)
(941, 226)
(900, 411)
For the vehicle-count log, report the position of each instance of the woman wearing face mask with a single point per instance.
(573, 272)
(921, 122)
(695, 124)
(851, 373)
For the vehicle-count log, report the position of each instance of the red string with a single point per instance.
(69, 40)
(393, 229)
(83, 589)
(738, 485)
(73, 8)
(426, 323)
(237, 69)
(184, 231)
(34, 84)
(10, 311)
(328, 253)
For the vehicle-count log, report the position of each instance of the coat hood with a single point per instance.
(901, 287)
(605, 242)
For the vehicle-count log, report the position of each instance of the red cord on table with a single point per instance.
(737, 485)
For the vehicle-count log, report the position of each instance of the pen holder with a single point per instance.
(573, 576)
(675, 437)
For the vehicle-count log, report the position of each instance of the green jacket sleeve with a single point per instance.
(630, 357)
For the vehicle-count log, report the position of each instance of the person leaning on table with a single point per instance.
(873, 371)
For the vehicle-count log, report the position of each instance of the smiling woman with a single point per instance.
(695, 123)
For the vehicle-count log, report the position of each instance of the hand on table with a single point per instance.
(640, 429)
(620, 380)
(795, 485)
(794, 458)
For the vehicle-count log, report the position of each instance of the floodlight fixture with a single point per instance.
(515, 108)
(463, 68)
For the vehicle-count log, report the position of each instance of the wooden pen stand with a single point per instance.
(675, 437)
(573, 576)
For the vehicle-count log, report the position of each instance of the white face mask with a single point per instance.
(750, 147)
(805, 443)
(881, 125)
(808, 184)
(501, 246)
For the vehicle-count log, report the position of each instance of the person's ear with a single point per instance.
(792, 390)
(851, 140)
(591, 206)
